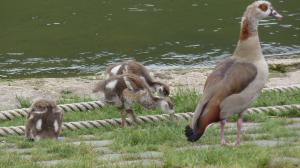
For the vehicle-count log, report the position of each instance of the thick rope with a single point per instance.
(274, 109)
(19, 130)
(84, 106)
(289, 88)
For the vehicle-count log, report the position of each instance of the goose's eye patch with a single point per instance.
(263, 7)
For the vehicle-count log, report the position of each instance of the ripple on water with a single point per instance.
(272, 49)
(12, 61)
(16, 54)
(192, 46)
(285, 25)
(144, 8)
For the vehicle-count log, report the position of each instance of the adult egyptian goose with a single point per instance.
(236, 81)
(133, 67)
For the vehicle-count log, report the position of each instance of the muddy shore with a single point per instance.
(283, 72)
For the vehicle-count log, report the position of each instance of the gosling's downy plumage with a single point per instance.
(44, 120)
(133, 67)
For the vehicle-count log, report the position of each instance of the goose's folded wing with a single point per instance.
(230, 77)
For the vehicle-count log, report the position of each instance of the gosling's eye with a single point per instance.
(160, 89)
(166, 92)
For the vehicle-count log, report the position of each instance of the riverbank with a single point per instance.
(283, 72)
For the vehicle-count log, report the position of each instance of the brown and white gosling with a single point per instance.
(133, 67)
(125, 90)
(236, 81)
(44, 120)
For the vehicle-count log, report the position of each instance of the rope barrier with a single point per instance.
(84, 106)
(282, 88)
(274, 109)
(72, 126)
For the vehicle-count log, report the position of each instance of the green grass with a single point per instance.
(185, 100)
(165, 137)
(68, 97)
(50, 150)
(277, 98)
(23, 102)
(278, 68)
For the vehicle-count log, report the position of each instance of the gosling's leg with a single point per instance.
(123, 116)
(132, 116)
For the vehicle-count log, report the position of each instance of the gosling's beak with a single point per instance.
(275, 14)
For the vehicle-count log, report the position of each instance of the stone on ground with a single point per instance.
(98, 143)
(18, 150)
(267, 143)
(103, 150)
(150, 154)
(110, 157)
(284, 162)
(118, 156)
(47, 163)
(88, 136)
(196, 147)
(295, 119)
(142, 163)
(26, 157)
(294, 125)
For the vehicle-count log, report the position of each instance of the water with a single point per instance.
(56, 38)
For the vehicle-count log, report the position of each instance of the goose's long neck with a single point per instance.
(248, 46)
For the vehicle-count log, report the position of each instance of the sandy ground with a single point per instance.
(82, 86)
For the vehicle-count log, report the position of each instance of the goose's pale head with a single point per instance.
(255, 12)
(262, 9)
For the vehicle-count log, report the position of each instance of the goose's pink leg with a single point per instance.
(222, 124)
(238, 133)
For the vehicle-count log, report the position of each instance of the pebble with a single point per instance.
(104, 150)
(150, 154)
(50, 162)
(266, 143)
(276, 162)
(294, 125)
(143, 163)
(98, 143)
(110, 157)
(18, 150)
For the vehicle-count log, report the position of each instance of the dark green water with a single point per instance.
(56, 38)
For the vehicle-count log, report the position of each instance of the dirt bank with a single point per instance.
(82, 86)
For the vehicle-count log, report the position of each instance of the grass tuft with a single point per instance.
(278, 68)
(185, 100)
(69, 97)
(23, 102)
